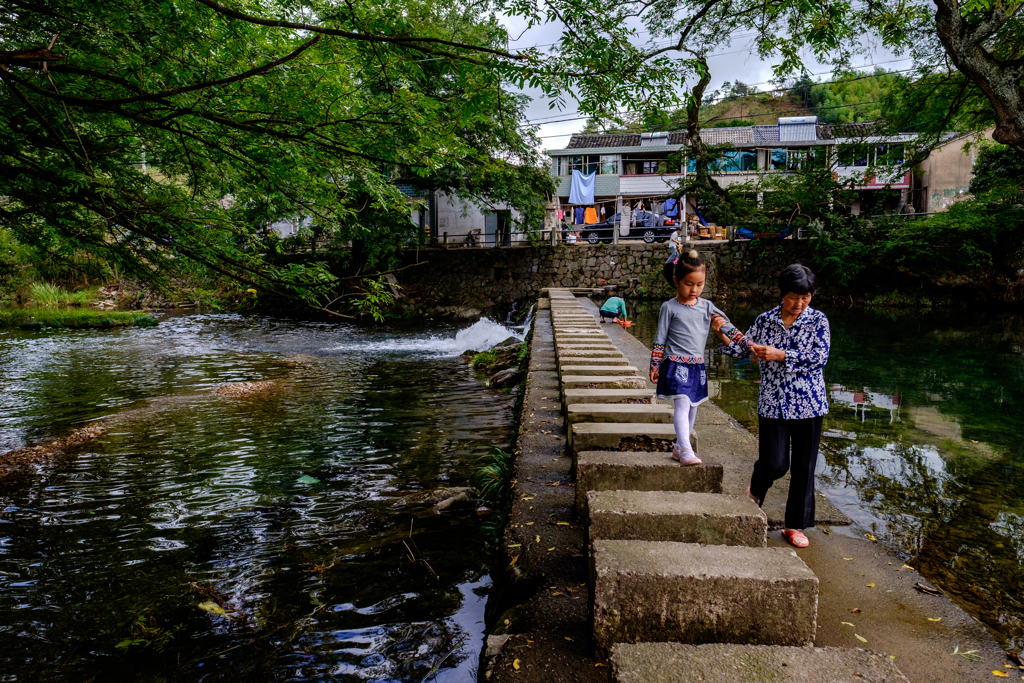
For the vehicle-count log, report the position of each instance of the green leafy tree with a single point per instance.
(854, 99)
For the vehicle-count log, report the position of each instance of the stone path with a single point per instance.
(685, 583)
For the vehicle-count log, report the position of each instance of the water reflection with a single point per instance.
(283, 517)
(922, 444)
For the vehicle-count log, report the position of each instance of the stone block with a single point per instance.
(709, 518)
(640, 471)
(621, 413)
(681, 663)
(596, 345)
(603, 382)
(577, 360)
(605, 370)
(619, 436)
(570, 352)
(620, 396)
(657, 591)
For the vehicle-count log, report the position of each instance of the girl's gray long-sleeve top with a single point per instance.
(683, 331)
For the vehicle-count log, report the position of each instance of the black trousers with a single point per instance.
(788, 445)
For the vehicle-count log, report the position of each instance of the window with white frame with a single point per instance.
(603, 164)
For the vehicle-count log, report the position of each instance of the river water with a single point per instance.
(924, 444)
(260, 540)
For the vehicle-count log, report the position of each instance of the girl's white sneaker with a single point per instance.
(685, 458)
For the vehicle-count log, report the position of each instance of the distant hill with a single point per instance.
(761, 109)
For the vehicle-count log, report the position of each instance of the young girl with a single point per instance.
(677, 362)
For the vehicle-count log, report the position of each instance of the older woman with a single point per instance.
(791, 343)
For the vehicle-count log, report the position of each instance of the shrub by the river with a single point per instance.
(40, 318)
(45, 294)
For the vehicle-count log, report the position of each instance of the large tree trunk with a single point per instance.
(964, 42)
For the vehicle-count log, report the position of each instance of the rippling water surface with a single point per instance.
(283, 517)
(924, 444)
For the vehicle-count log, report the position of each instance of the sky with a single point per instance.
(735, 62)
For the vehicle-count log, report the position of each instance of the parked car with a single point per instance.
(649, 227)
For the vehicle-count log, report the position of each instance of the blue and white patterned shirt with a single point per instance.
(793, 389)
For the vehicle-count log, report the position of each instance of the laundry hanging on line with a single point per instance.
(581, 188)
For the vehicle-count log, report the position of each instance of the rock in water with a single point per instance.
(504, 378)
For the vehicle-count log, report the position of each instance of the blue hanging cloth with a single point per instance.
(671, 208)
(581, 190)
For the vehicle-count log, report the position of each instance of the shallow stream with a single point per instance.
(265, 539)
(924, 444)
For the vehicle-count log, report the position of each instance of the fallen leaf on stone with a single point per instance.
(825, 530)
(537, 539)
(1009, 666)
(907, 566)
(554, 483)
(1014, 657)
(847, 558)
(569, 639)
(855, 610)
(871, 585)
(555, 595)
(892, 656)
(562, 523)
(934, 618)
(925, 589)
(514, 560)
(600, 664)
(550, 549)
(847, 623)
(860, 638)
(870, 538)
(997, 672)
(528, 524)
(515, 665)
(515, 545)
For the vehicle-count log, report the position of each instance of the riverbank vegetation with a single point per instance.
(73, 318)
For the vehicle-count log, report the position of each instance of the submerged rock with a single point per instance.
(245, 389)
(12, 461)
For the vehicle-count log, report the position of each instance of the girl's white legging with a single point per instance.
(684, 416)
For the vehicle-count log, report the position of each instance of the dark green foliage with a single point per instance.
(998, 167)
(851, 100)
(494, 477)
(36, 318)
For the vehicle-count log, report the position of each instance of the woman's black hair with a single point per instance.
(688, 262)
(797, 279)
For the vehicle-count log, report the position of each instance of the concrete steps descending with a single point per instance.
(618, 436)
(655, 591)
(583, 413)
(709, 518)
(679, 663)
(639, 471)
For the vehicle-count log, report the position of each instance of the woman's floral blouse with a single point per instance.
(792, 389)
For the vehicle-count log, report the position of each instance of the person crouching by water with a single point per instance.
(614, 308)
(791, 343)
(677, 360)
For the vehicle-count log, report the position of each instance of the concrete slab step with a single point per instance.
(596, 344)
(680, 663)
(606, 370)
(595, 360)
(576, 338)
(617, 396)
(590, 353)
(709, 518)
(622, 436)
(603, 382)
(620, 413)
(639, 471)
(658, 591)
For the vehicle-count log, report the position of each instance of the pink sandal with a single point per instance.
(795, 538)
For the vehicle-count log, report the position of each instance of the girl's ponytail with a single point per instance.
(689, 262)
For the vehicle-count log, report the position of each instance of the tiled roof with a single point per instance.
(764, 134)
(677, 138)
(727, 136)
(594, 141)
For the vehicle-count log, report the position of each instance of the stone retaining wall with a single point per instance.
(459, 275)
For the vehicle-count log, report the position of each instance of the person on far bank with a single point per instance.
(791, 343)
(614, 308)
(677, 360)
(675, 242)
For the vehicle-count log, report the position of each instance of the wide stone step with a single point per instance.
(605, 370)
(639, 471)
(592, 360)
(628, 413)
(681, 663)
(576, 338)
(589, 353)
(622, 436)
(709, 518)
(580, 332)
(619, 396)
(590, 344)
(602, 382)
(658, 591)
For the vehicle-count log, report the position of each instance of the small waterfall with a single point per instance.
(480, 336)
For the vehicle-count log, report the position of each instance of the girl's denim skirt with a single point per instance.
(677, 379)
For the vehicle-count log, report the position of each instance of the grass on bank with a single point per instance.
(47, 295)
(75, 318)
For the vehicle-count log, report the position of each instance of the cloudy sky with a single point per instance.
(737, 61)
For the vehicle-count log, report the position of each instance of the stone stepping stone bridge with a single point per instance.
(683, 585)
